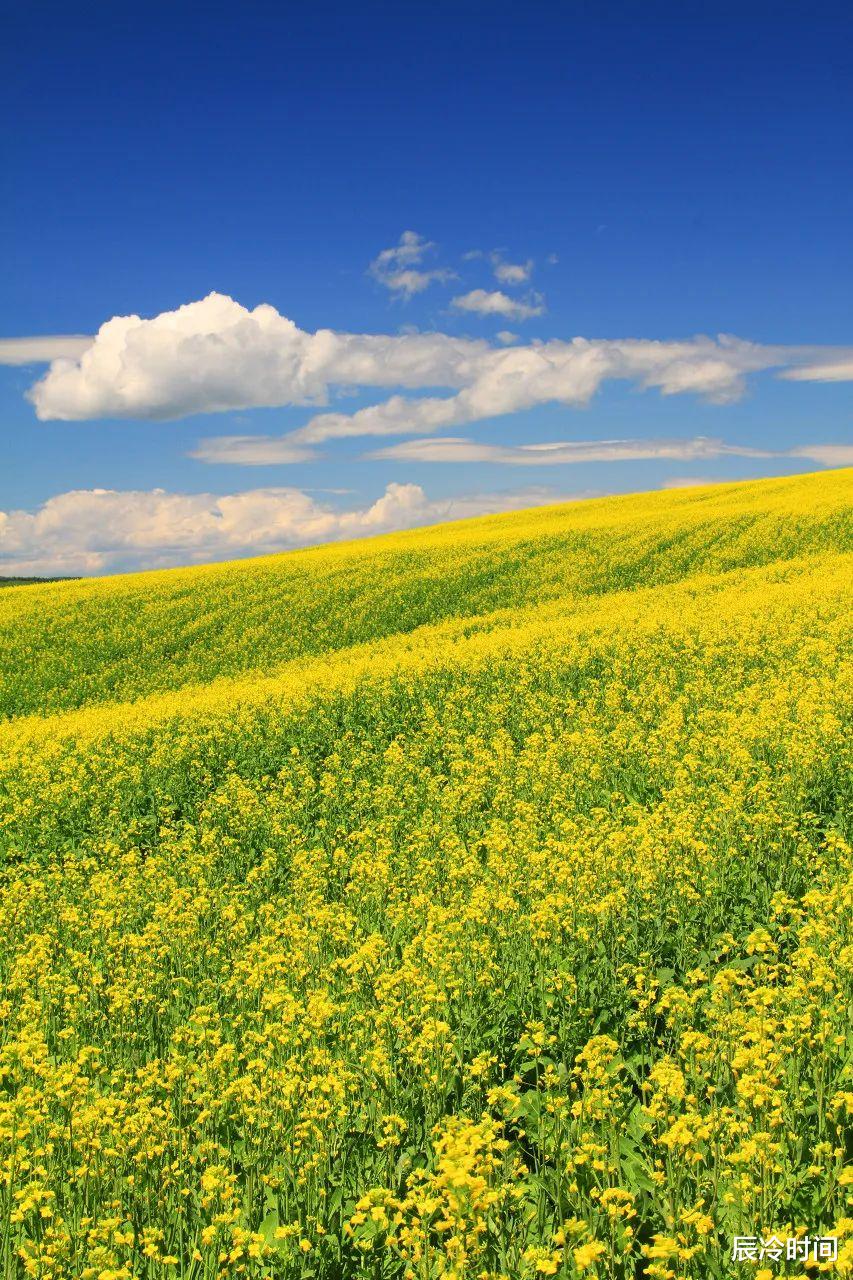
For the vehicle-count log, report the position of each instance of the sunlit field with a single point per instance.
(475, 902)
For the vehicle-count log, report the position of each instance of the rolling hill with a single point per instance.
(469, 902)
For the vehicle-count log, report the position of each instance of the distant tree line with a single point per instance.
(25, 582)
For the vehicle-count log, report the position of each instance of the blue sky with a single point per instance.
(666, 170)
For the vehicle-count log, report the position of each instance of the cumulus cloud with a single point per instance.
(43, 350)
(216, 355)
(511, 272)
(398, 270)
(456, 449)
(496, 303)
(95, 531)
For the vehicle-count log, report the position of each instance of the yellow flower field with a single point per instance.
(474, 903)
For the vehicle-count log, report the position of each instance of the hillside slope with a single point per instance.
(499, 923)
(74, 643)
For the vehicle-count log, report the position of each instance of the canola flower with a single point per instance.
(504, 933)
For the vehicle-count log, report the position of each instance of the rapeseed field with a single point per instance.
(472, 903)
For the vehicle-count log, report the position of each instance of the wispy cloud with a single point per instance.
(839, 370)
(511, 273)
(43, 350)
(398, 270)
(830, 455)
(251, 451)
(457, 449)
(689, 482)
(509, 380)
(411, 281)
(410, 249)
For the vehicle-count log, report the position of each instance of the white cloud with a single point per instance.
(412, 281)
(43, 350)
(496, 303)
(104, 530)
(839, 370)
(410, 250)
(456, 449)
(507, 337)
(689, 482)
(216, 355)
(830, 455)
(517, 378)
(511, 272)
(505, 272)
(397, 268)
(251, 451)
